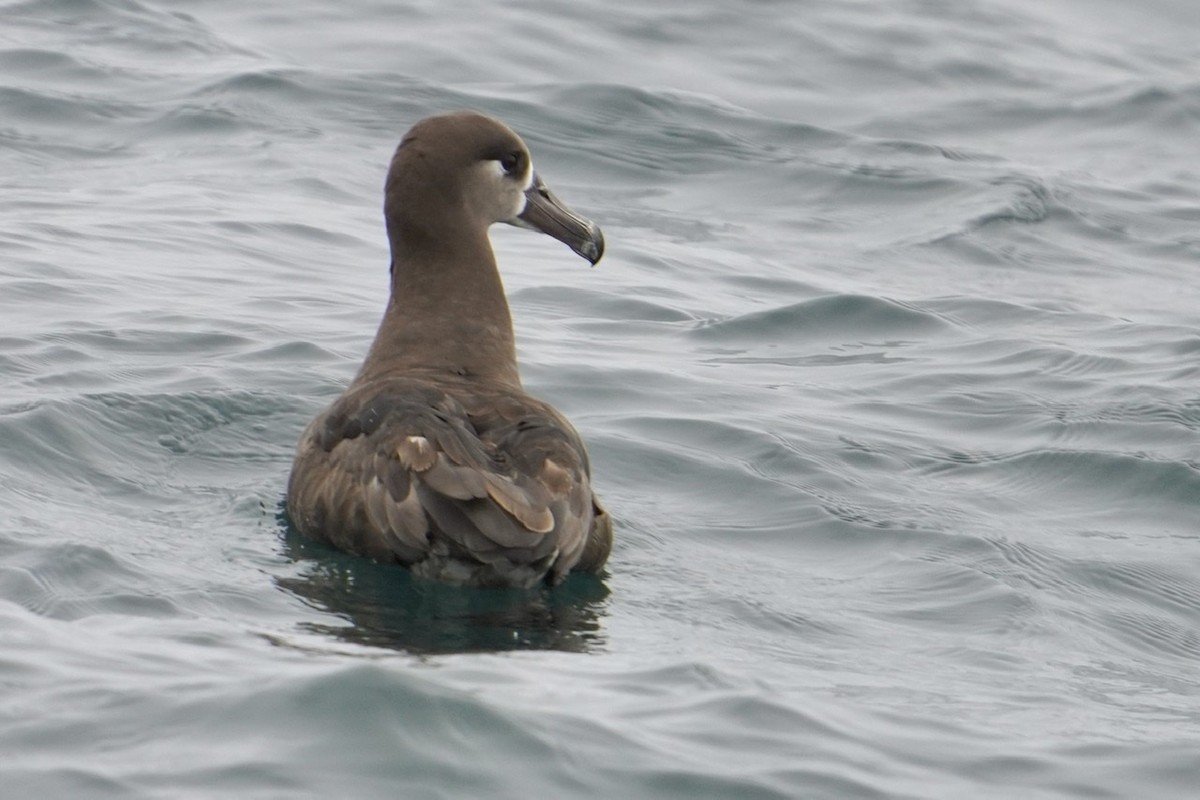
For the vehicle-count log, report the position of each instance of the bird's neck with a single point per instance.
(447, 315)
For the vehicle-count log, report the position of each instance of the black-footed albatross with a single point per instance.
(434, 456)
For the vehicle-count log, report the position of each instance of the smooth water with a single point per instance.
(891, 379)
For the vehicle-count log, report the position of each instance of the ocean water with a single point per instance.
(890, 376)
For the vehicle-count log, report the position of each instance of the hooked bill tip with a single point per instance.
(593, 248)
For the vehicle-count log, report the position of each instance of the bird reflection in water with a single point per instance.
(383, 605)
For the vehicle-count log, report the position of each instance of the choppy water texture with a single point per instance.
(891, 378)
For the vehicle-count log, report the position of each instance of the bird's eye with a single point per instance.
(510, 162)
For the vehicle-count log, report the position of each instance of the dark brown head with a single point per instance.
(456, 174)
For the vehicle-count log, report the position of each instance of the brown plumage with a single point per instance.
(434, 456)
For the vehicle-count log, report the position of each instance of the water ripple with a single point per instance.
(888, 379)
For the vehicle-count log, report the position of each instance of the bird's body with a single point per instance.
(434, 456)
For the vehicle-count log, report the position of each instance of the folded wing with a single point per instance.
(495, 495)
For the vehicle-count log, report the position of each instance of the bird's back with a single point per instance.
(463, 483)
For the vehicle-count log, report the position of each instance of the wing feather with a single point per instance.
(401, 469)
(531, 512)
(461, 483)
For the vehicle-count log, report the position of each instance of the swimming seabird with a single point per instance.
(434, 456)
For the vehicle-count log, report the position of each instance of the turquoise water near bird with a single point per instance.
(890, 378)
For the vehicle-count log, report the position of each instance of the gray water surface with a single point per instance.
(890, 376)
